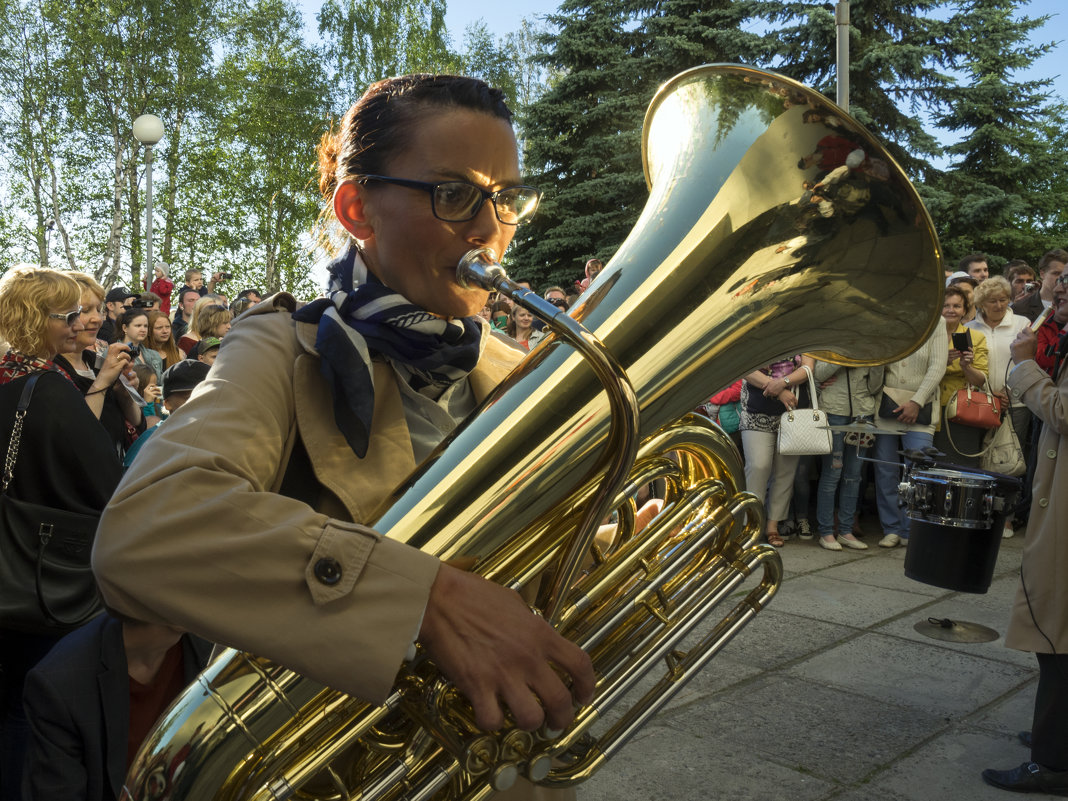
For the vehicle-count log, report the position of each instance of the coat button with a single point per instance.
(328, 571)
(1043, 502)
(1052, 454)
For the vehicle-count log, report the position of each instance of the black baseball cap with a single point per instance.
(183, 376)
(119, 295)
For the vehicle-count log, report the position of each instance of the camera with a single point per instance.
(225, 276)
(134, 351)
(559, 302)
(1030, 286)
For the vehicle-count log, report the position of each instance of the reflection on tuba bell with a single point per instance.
(775, 225)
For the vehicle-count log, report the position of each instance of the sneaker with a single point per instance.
(1007, 533)
(889, 541)
(804, 530)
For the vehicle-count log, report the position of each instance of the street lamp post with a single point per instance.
(841, 25)
(148, 130)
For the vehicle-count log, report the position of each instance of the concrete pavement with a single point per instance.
(830, 693)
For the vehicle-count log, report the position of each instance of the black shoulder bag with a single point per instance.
(46, 582)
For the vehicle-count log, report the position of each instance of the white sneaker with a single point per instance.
(1008, 533)
(890, 541)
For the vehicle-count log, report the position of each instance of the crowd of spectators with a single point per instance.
(130, 359)
(982, 314)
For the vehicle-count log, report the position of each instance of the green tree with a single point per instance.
(584, 141)
(687, 33)
(999, 194)
(367, 40)
(899, 56)
(275, 107)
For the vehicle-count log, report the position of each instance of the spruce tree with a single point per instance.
(584, 142)
(998, 194)
(897, 72)
(584, 134)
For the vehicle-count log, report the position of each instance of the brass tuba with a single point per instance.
(775, 225)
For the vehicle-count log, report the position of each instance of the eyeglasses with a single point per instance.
(460, 201)
(70, 318)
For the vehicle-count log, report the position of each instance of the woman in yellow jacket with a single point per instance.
(963, 368)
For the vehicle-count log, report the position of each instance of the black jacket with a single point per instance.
(65, 458)
(111, 416)
(78, 706)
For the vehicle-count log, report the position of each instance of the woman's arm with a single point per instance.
(937, 350)
(775, 386)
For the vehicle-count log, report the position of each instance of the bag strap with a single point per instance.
(811, 387)
(849, 393)
(16, 430)
(949, 434)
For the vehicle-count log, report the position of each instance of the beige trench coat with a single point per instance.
(197, 536)
(1045, 555)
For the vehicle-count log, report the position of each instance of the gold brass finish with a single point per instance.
(733, 263)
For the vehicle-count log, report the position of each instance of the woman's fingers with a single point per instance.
(495, 650)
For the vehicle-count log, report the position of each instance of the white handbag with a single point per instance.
(804, 432)
(1003, 453)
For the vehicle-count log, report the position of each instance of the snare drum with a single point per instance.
(957, 518)
(951, 498)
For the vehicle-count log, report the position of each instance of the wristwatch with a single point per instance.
(786, 380)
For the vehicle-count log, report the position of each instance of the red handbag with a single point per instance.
(977, 409)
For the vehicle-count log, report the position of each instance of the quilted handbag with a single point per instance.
(974, 407)
(804, 432)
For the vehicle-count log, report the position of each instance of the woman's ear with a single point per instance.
(349, 209)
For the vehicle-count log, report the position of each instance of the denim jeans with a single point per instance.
(841, 465)
(893, 517)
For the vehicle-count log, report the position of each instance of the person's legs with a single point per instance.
(849, 489)
(892, 515)
(782, 486)
(759, 449)
(1047, 772)
(802, 499)
(1049, 728)
(830, 473)
(887, 477)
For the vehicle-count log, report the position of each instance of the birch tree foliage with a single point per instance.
(275, 111)
(368, 40)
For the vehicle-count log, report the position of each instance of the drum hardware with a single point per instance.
(955, 631)
(955, 535)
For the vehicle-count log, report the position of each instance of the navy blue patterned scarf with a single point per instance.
(362, 318)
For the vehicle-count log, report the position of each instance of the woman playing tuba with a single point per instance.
(309, 420)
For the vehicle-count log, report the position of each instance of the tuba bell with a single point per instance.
(775, 225)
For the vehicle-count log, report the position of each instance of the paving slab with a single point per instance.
(950, 767)
(875, 571)
(808, 727)
(1011, 715)
(938, 681)
(669, 767)
(847, 603)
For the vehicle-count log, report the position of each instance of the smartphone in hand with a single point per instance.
(962, 341)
